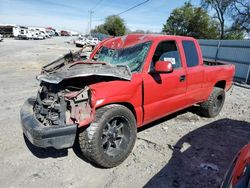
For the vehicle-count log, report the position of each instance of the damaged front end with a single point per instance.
(64, 100)
(51, 119)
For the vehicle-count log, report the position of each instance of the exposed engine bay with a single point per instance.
(58, 106)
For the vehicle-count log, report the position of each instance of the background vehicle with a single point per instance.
(238, 175)
(42, 34)
(28, 33)
(129, 82)
(32, 34)
(52, 31)
(64, 33)
(92, 41)
(20, 32)
(1, 37)
(80, 42)
(83, 41)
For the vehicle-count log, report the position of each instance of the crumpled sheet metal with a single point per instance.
(85, 70)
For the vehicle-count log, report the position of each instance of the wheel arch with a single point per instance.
(221, 84)
(126, 104)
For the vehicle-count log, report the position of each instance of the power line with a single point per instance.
(135, 6)
(131, 8)
(90, 20)
(96, 5)
(91, 12)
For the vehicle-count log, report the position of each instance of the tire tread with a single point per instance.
(206, 107)
(88, 138)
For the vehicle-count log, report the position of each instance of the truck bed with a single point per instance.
(218, 71)
(212, 63)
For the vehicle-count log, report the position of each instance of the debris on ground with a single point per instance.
(209, 166)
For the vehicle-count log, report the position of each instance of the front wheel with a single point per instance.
(214, 104)
(111, 137)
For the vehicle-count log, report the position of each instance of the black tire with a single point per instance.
(79, 45)
(214, 104)
(111, 137)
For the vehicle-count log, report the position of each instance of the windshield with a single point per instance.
(133, 56)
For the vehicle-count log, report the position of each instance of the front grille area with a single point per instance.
(50, 106)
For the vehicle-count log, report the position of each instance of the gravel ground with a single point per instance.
(171, 152)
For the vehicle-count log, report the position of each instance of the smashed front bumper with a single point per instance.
(45, 136)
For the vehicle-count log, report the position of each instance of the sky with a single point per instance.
(74, 14)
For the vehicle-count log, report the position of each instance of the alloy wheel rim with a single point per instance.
(115, 136)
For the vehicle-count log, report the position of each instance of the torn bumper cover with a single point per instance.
(45, 136)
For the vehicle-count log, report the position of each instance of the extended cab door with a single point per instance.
(195, 71)
(164, 92)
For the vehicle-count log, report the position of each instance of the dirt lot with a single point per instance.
(168, 153)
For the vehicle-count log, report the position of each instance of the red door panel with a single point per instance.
(163, 94)
(194, 84)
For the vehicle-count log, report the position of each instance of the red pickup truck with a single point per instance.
(128, 82)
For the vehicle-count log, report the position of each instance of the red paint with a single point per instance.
(243, 160)
(154, 96)
(238, 173)
(163, 66)
(98, 47)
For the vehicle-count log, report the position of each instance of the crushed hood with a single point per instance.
(80, 69)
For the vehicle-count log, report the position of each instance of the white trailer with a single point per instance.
(20, 32)
(38, 32)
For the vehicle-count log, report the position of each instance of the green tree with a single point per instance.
(191, 21)
(234, 33)
(240, 13)
(113, 25)
(100, 29)
(221, 7)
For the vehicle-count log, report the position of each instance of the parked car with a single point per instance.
(238, 175)
(64, 33)
(92, 41)
(81, 36)
(51, 31)
(81, 42)
(1, 37)
(128, 82)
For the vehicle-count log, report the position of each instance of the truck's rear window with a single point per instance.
(190, 53)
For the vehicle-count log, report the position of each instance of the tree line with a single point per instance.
(189, 20)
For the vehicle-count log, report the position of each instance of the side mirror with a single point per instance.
(163, 67)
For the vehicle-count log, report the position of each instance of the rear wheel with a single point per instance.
(214, 104)
(111, 137)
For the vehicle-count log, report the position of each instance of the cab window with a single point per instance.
(191, 54)
(167, 51)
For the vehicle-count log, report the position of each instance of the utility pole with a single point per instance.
(90, 20)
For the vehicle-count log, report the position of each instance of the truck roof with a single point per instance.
(133, 39)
